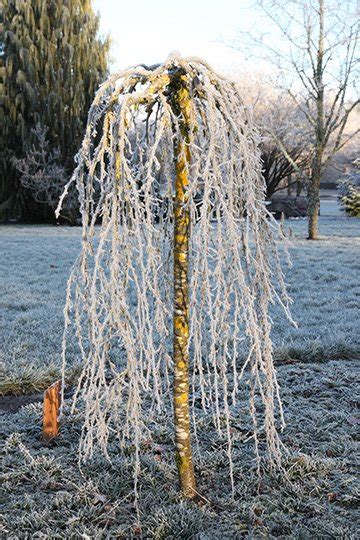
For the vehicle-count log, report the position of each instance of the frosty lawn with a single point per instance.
(35, 262)
(46, 494)
(44, 489)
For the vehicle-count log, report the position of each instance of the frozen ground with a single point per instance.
(325, 287)
(46, 495)
(35, 262)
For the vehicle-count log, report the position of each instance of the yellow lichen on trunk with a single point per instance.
(182, 106)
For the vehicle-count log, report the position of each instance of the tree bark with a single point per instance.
(314, 187)
(182, 107)
(314, 204)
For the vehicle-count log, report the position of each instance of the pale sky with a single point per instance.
(146, 31)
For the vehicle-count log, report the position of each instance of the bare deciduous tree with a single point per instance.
(41, 173)
(317, 64)
(285, 149)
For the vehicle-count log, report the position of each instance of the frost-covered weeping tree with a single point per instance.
(178, 264)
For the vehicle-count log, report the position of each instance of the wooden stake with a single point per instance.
(51, 411)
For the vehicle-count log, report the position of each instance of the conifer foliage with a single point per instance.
(51, 63)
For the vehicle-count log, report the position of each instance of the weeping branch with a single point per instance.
(138, 145)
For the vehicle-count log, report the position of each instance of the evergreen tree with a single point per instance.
(51, 63)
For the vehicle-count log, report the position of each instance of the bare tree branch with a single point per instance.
(316, 60)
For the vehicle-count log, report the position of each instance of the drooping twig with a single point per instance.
(120, 294)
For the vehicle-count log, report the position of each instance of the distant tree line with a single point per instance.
(51, 63)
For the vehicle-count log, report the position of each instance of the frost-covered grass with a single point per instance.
(35, 262)
(325, 287)
(46, 495)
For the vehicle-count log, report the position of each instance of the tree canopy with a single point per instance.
(52, 62)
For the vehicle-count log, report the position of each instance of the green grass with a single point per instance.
(32, 379)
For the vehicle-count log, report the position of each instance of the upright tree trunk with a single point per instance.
(314, 187)
(314, 202)
(182, 107)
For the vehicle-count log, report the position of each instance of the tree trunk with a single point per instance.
(314, 204)
(314, 187)
(181, 299)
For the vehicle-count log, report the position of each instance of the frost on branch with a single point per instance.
(120, 292)
(41, 173)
